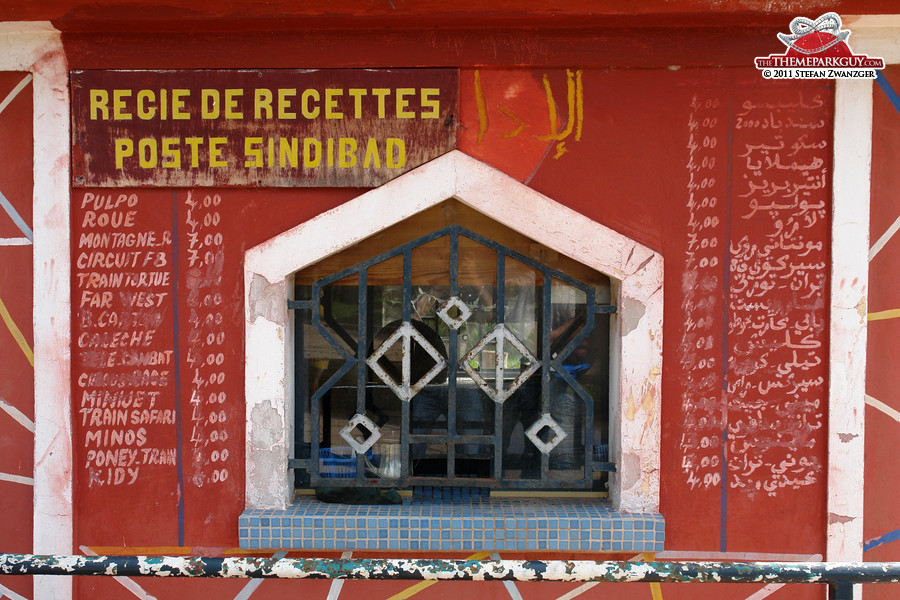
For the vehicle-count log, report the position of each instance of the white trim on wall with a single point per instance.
(636, 353)
(875, 35)
(37, 48)
(847, 342)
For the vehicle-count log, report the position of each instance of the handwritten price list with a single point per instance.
(124, 365)
(702, 281)
(207, 372)
(757, 233)
(777, 294)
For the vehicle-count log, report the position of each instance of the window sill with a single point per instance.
(492, 524)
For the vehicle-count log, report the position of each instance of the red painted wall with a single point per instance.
(652, 151)
(648, 140)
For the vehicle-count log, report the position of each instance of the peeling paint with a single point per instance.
(630, 407)
(267, 300)
(266, 421)
(839, 519)
(862, 310)
(647, 402)
(631, 313)
(847, 437)
(641, 266)
(630, 468)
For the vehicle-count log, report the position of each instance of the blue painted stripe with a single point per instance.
(885, 86)
(891, 536)
(723, 495)
(17, 219)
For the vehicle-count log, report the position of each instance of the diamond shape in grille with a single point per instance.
(347, 431)
(444, 312)
(545, 421)
(498, 393)
(406, 389)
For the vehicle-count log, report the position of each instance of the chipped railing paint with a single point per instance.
(838, 576)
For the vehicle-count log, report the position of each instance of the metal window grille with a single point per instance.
(451, 370)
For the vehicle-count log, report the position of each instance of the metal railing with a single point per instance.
(839, 577)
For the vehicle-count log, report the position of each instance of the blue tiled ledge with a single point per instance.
(493, 524)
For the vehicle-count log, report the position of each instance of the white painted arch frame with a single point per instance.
(636, 331)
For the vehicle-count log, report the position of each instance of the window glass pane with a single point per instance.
(521, 307)
(339, 311)
(567, 409)
(521, 458)
(474, 461)
(385, 293)
(428, 460)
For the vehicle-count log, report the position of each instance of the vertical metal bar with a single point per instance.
(314, 402)
(499, 302)
(326, 419)
(498, 441)
(546, 358)
(404, 440)
(452, 358)
(362, 300)
(404, 404)
(407, 283)
(588, 424)
(454, 263)
(301, 382)
(326, 398)
(501, 287)
(840, 590)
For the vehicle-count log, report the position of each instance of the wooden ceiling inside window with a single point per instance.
(431, 261)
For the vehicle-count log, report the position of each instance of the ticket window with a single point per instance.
(450, 350)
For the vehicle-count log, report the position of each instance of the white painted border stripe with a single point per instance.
(765, 592)
(16, 217)
(5, 591)
(847, 336)
(15, 242)
(884, 239)
(16, 479)
(36, 47)
(335, 590)
(510, 586)
(126, 582)
(17, 414)
(251, 586)
(586, 586)
(878, 404)
(577, 591)
(15, 91)
(770, 589)
(875, 35)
